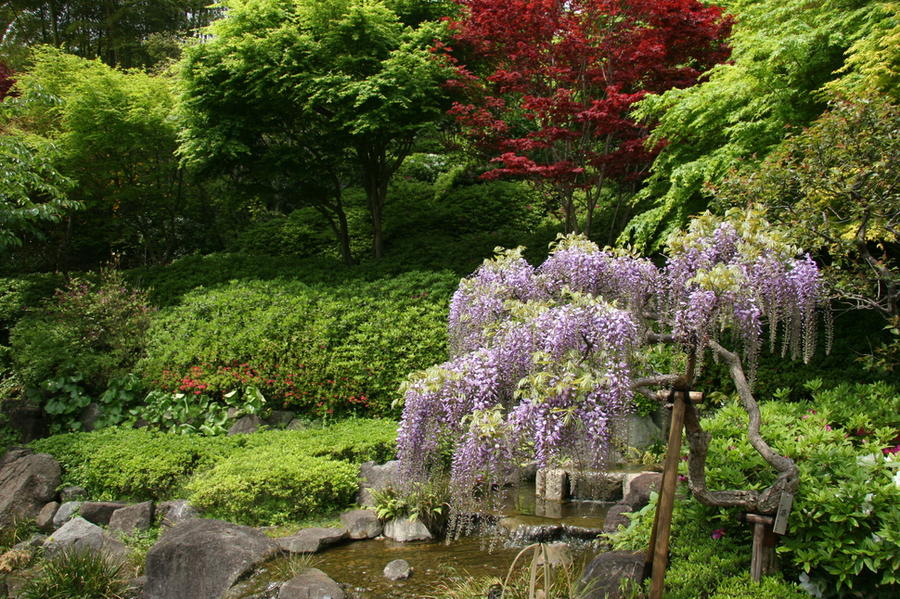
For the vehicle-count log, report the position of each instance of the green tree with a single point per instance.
(310, 95)
(116, 138)
(783, 53)
(32, 190)
(836, 188)
(120, 32)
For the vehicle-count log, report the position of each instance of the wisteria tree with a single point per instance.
(544, 359)
(549, 86)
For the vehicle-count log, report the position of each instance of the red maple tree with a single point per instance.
(549, 84)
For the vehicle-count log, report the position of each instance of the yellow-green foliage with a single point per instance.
(266, 477)
(273, 484)
(132, 464)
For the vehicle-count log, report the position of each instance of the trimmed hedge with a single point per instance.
(268, 477)
(133, 465)
(273, 484)
(317, 348)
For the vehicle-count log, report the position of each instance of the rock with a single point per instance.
(26, 418)
(552, 484)
(135, 588)
(599, 486)
(72, 494)
(406, 529)
(603, 575)
(615, 517)
(311, 540)
(79, 535)
(44, 519)
(361, 524)
(558, 554)
(28, 482)
(170, 513)
(89, 416)
(245, 424)
(132, 518)
(638, 488)
(397, 569)
(298, 424)
(66, 512)
(279, 419)
(202, 559)
(377, 477)
(311, 584)
(99, 512)
(34, 541)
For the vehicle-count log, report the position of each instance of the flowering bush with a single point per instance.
(543, 359)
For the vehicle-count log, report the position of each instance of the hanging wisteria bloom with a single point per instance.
(543, 359)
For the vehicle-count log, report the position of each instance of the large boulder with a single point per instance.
(377, 477)
(202, 559)
(311, 584)
(28, 481)
(133, 518)
(245, 425)
(361, 524)
(311, 540)
(615, 517)
(80, 535)
(638, 488)
(406, 529)
(603, 577)
(99, 512)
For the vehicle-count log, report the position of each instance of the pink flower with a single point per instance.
(717, 534)
(827, 427)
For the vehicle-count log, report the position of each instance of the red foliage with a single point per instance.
(550, 84)
(6, 80)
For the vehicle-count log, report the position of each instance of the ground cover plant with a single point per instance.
(142, 464)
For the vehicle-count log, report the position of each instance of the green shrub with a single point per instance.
(845, 526)
(140, 464)
(303, 232)
(81, 343)
(356, 440)
(134, 465)
(319, 348)
(77, 575)
(18, 294)
(273, 484)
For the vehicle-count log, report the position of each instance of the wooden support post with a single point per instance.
(658, 552)
(763, 560)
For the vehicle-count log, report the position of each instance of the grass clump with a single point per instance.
(77, 575)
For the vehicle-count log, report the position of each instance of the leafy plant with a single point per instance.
(197, 412)
(320, 349)
(81, 344)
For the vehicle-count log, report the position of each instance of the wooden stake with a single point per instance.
(658, 552)
(763, 559)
